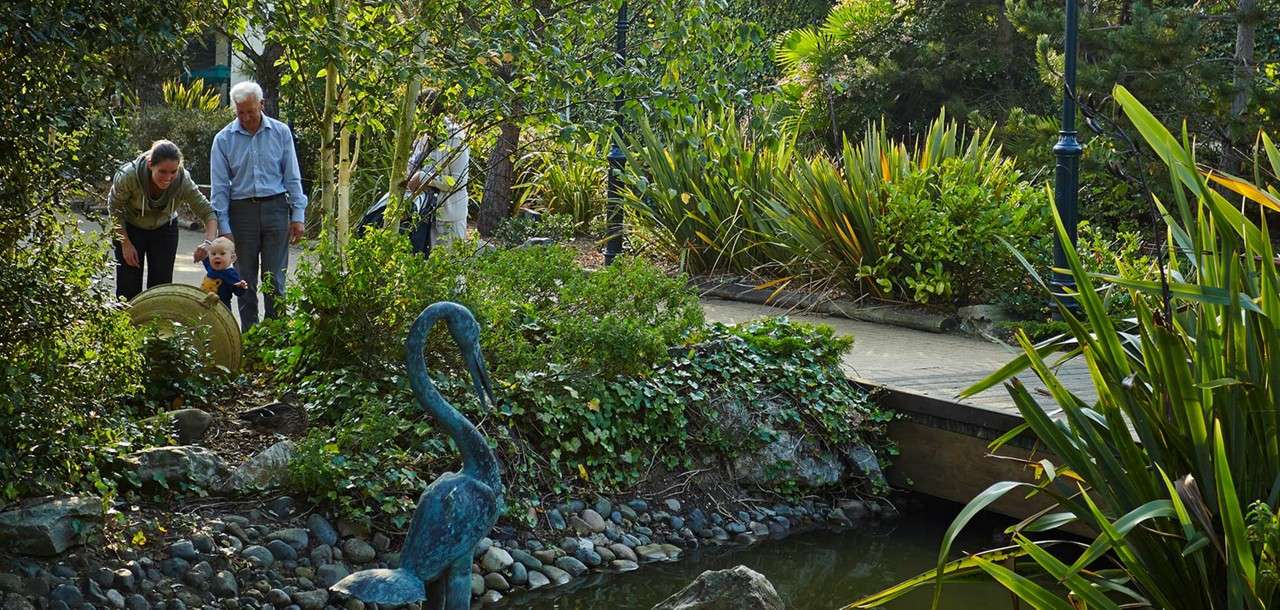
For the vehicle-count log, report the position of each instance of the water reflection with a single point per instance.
(814, 570)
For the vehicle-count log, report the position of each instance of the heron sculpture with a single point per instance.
(457, 509)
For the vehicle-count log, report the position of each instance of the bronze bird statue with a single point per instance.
(458, 508)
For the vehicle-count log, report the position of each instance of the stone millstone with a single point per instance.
(50, 526)
(738, 588)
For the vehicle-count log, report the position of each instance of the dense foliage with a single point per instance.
(187, 119)
(700, 192)
(518, 230)
(1175, 463)
(902, 61)
(595, 389)
(568, 180)
(921, 221)
(999, 64)
(69, 359)
(927, 220)
(536, 306)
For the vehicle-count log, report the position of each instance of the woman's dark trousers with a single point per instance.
(157, 249)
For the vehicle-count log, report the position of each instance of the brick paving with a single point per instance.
(937, 365)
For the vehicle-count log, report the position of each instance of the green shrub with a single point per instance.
(1174, 461)
(947, 231)
(1118, 254)
(629, 313)
(68, 360)
(353, 309)
(514, 231)
(372, 461)
(927, 223)
(535, 306)
(567, 182)
(560, 431)
(176, 370)
(701, 193)
(599, 375)
(192, 129)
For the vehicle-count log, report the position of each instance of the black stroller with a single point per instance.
(417, 222)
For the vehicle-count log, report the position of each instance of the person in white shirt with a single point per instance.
(443, 167)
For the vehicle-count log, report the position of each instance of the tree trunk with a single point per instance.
(1004, 29)
(346, 167)
(495, 206)
(267, 74)
(400, 157)
(1242, 85)
(328, 143)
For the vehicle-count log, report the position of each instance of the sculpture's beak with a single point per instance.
(480, 378)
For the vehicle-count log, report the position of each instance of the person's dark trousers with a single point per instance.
(157, 249)
(260, 228)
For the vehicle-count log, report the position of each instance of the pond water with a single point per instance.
(812, 570)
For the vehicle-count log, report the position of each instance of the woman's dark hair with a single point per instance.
(164, 150)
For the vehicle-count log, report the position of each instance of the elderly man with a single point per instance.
(257, 192)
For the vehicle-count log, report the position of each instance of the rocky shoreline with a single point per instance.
(279, 558)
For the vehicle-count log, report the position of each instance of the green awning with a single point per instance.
(212, 74)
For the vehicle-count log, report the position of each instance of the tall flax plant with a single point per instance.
(702, 193)
(830, 212)
(568, 181)
(193, 96)
(1177, 464)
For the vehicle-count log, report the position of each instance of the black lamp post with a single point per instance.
(613, 247)
(1066, 183)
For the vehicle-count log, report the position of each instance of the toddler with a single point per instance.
(221, 277)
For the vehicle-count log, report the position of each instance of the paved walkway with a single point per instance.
(932, 364)
(937, 365)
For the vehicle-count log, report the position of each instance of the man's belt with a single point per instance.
(267, 199)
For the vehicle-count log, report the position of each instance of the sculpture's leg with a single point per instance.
(436, 590)
(458, 584)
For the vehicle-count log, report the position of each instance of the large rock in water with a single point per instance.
(49, 526)
(738, 588)
(267, 469)
(187, 463)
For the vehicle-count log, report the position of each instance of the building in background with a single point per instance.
(211, 58)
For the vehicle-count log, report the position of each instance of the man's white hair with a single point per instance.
(245, 91)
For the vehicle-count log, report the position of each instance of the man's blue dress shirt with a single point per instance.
(244, 165)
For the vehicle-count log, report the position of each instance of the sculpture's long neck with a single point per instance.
(478, 459)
